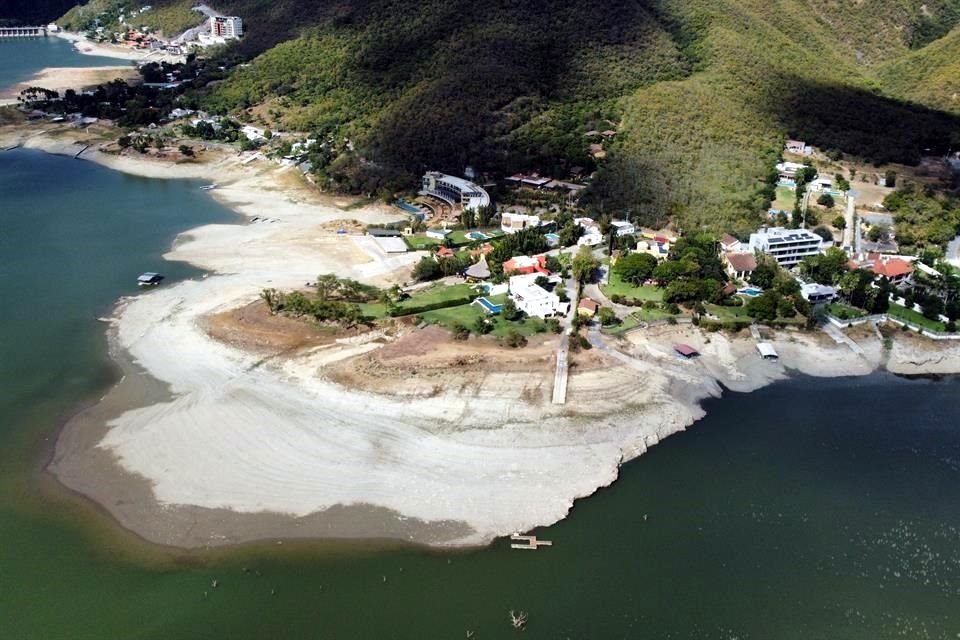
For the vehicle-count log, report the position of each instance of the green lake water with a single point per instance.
(20, 59)
(810, 509)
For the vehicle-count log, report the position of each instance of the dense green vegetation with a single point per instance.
(700, 93)
(923, 218)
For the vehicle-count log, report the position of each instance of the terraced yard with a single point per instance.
(616, 286)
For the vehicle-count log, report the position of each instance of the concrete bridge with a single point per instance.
(23, 32)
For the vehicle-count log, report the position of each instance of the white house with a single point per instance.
(437, 234)
(252, 133)
(814, 292)
(591, 232)
(533, 299)
(623, 228)
(513, 222)
(787, 246)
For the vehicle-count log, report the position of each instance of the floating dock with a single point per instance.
(528, 542)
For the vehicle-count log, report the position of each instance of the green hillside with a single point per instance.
(929, 76)
(701, 93)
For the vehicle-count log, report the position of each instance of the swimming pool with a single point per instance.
(489, 307)
(477, 235)
(406, 206)
(752, 292)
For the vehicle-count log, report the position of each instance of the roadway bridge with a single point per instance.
(23, 32)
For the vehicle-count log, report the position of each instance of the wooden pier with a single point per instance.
(23, 32)
(529, 543)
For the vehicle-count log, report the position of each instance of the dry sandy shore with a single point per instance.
(85, 47)
(62, 78)
(204, 443)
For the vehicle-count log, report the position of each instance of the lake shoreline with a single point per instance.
(584, 448)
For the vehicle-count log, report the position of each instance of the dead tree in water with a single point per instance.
(518, 620)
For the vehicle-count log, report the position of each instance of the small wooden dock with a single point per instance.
(528, 542)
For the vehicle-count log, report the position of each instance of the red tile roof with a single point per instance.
(892, 268)
(588, 304)
(742, 261)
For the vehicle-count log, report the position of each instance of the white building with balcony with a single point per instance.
(454, 191)
(533, 299)
(787, 246)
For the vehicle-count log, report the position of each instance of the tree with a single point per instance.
(186, 150)
(561, 292)
(826, 268)
(667, 272)
(607, 317)
(482, 326)
(327, 285)
(842, 183)
(427, 269)
(459, 331)
(932, 308)
(124, 141)
(824, 233)
(509, 310)
(765, 272)
(840, 222)
(876, 232)
(826, 200)
(764, 307)
(515, 339)
(635, 268)
(584, 264)
(890, 177)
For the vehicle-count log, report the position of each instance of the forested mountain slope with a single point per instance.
(700, 92)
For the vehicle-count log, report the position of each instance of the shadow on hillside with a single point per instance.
(863, 123)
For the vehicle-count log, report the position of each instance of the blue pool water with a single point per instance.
(753, 292)
(489, 306)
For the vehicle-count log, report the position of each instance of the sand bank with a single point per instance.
(104, 50)
(62, 78)
(228, 444)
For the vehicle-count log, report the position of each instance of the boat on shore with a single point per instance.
(149, 279)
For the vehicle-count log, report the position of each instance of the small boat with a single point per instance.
(149, 279)
(208, 187)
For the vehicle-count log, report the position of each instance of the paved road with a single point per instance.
(561, 374)
(953, 249)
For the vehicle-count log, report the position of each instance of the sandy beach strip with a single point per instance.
(78, 78)
(103, 50)
(237, 446)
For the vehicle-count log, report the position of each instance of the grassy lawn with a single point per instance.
(727, 313)
(844, 312)
(432, 295)
(911, 316)
(634, 320)
(619, 287)
(468, 314)
(420, 242)
(785, 199)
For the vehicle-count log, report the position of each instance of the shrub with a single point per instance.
(553, 325)
(459, 331)
(515, 339)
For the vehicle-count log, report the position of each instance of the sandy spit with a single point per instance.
(62, 78)
(205, 444)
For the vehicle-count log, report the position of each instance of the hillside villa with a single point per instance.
(534, 300)
(591, 232)
(524, 265)
(787, 246)
(514, 222)
(622, 228)
(739, 266)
